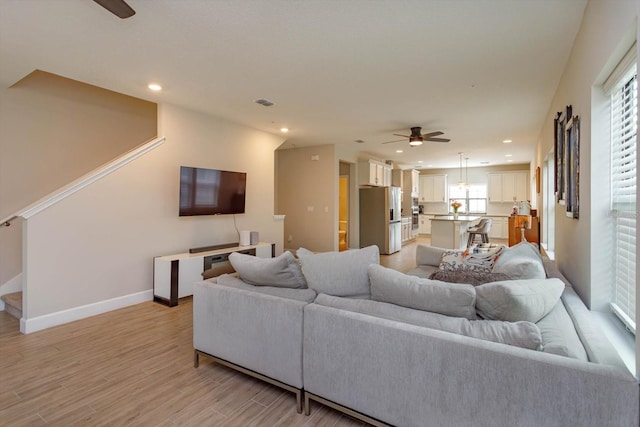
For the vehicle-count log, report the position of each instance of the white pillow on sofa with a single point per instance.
(516, 300)
(451, 299)
(282, 271)
(341, 274)
(522, 261)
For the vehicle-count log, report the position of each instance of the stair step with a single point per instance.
(13, 304)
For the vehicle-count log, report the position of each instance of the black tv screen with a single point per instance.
(211, 192)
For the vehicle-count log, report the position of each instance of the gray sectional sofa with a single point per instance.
(405, 350)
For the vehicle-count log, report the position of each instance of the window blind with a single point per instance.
(624, 128)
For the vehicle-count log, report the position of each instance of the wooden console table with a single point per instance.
(531, 234)
(174, 275)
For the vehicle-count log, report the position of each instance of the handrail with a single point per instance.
(82, 182)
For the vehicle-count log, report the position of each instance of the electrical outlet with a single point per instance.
(290, 238)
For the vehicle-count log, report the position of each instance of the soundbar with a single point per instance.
(213, 247)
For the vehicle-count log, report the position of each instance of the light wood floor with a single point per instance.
(134, 366)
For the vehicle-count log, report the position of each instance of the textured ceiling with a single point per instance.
(481, 71)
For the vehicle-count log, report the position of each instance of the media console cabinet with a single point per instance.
(174, 275)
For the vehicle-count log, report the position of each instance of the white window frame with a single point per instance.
(466, 200)
(622, 86)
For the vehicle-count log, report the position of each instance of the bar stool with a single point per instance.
(482, 229)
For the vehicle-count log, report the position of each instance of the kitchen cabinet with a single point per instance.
(424, 224)
(499, 229)
(411, 184)
(508, 187)
(433, 188)
(374, 173)
(407, 233)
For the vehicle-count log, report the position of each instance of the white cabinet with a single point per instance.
(406, 230)
(424, 224)
(174, 275)
(499, 228)
(411, 184)
(375, 173)
(508, 186)
(433, 188)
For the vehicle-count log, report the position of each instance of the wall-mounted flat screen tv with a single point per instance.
(211, 192)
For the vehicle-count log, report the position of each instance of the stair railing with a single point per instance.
(82, 182)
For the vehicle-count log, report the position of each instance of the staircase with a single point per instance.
(13, 304)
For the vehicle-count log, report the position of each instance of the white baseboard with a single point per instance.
(9, 287)
(61, 317)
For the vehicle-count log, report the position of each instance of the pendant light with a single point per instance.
(460, 182)
(466, 173)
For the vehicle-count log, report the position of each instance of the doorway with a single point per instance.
(343, 208)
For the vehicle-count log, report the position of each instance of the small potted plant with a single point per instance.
(455, 205)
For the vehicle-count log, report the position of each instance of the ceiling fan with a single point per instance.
(120, 8)
(416, 138)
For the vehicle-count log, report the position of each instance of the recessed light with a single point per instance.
(507, 141)
(429, 166)
(508, 155)
(359, 141)
(399, 151)
(419, 161)
(510, 160)
(484, 163)
(154, 87)
(284, 130)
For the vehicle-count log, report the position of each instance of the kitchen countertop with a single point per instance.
(478, 215)
(460, 218)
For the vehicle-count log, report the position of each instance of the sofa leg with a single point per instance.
(307, 405)
(299, 401)
(196, 359)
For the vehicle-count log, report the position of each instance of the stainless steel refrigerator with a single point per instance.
(380, 218)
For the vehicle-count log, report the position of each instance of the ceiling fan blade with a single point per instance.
(397, 140)
(430, 134)
(118, 7)
(404, 136)
(437, 139)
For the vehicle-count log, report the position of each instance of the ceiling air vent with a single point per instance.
(264, 102)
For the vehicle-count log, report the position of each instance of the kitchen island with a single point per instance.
(451, 233)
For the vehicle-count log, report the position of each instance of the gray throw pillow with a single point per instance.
(515, 300)
(304, 295)
(522, 261)
(450, 299)
(470, 277)
(282, 271)
(342, 274)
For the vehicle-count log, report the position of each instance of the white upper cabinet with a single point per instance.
(375, 173)
(433, 188)
(508, 186)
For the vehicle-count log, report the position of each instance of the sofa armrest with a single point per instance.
(404, 374)
(259, 332)
(428, 255)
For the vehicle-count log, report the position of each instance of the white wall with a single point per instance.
(99, 243)
(52, 131)
(607, 31)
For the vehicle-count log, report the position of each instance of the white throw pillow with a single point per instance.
(451, 299)
(515, 300)
(282, 271)
(342, 274)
